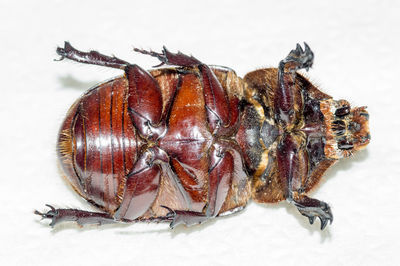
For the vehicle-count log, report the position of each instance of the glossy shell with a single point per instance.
(99, 146)
(188, 143)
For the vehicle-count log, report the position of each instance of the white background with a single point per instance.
(356, 46)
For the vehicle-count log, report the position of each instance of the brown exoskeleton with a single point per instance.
(190, 142)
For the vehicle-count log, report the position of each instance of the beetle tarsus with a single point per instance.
(51, 214)
(79, 216)
(91, 57)
(62, 51)
(160, 56)
(59, 59)
(168, 58)
(303, 59)
(171, 212)
(322, 211)
(188, 218)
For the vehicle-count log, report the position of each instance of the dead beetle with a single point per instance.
(188, 142)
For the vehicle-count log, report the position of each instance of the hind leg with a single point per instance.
(79, 216)
(145, 99)
(82, 217)
(145, 107)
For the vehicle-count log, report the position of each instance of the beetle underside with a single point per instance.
(191, 142)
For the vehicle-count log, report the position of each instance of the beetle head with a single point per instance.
(347, 129)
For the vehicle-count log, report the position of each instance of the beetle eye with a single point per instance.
(342, 111)
(344, 144)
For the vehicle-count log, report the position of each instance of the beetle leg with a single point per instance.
(221, 172)
(216, 100)
(142, 185)
(187, 218)
(293, 169)
(144, 101)
(92, 57)
(168, 58)
(81, 217)
(312, 208)
(284, 97)
(217, 103)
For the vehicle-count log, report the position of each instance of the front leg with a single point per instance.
(312, 208)
(284, 94)
(293, 171)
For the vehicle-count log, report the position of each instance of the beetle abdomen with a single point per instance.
(98, 144)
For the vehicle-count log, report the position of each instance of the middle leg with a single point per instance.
(220, 112)
(221, 171)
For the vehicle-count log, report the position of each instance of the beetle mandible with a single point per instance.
(188, 142)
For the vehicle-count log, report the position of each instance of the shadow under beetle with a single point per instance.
(189, 142)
